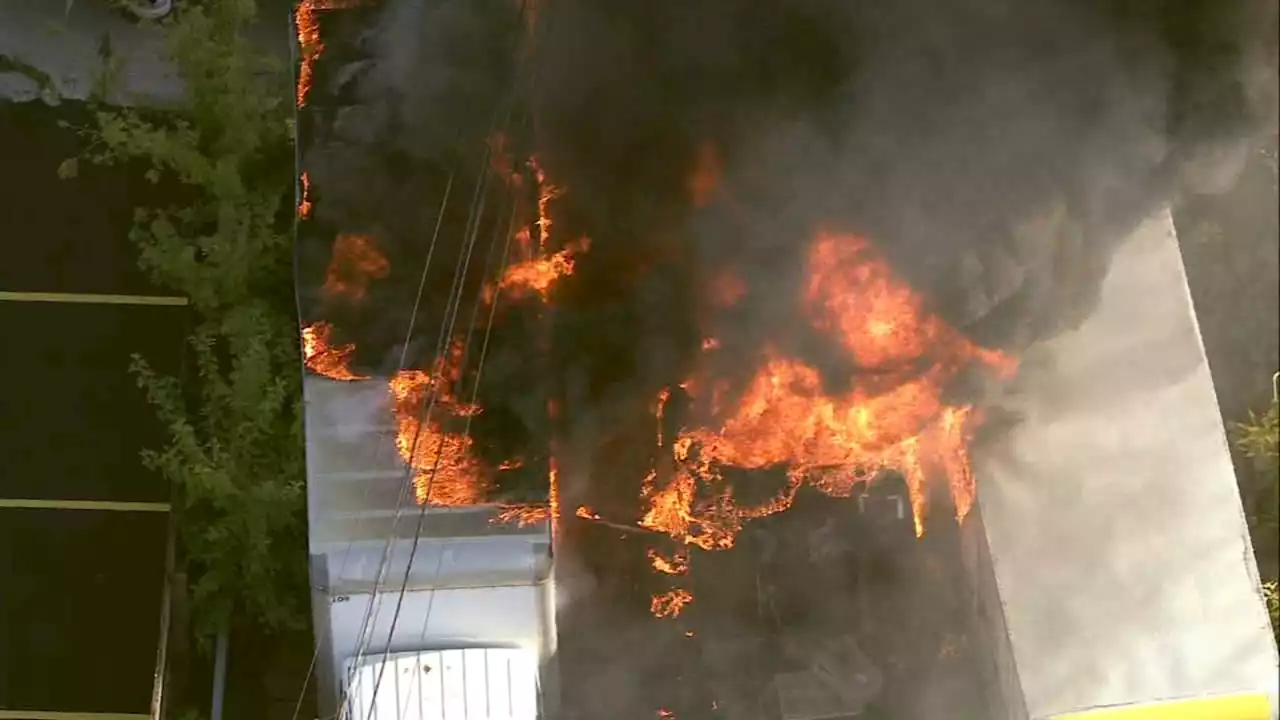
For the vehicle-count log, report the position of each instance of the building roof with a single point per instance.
(470, 684)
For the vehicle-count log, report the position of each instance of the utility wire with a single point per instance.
(426, 408)
(475, 392)
(427, 405)
(381, 443)
(455, 300)
(383, 436)
(370, 622)
(464, 263)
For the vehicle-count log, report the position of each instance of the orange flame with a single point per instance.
(537, 272)
(304, 203)
(524, 243)
(553, 497)
(892, 419)
(445, 470)
(522, 515)
(727, 289)
(356, 260)
(546, 193)
(660, 410)
(670, 603)
(705, 179)
(322, 358)
(677, 564)
(308, 29)
(501, 162)
(306, 20)
(538, 276)
(586, 513)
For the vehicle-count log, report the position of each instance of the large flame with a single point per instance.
(677, 564)
(309, 46)
(893, 417)
(537, 276)
(306, 20)
(355, 261)
(445, 470)
(304, 202)
(323, 358)
(670, 603)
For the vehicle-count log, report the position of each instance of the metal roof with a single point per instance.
(471, 684)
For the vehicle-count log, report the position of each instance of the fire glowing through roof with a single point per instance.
(893, 417)
(356, 261)
(432, 428)
(307, 22)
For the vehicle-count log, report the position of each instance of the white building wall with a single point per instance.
(471, 583)
(1117, 537)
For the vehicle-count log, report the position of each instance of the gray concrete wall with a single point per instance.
(1002, 688)
(1231, 247)
(1116, 532)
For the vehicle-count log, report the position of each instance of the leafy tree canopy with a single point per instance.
(235, 446)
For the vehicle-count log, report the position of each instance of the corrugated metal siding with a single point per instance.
(471, 684)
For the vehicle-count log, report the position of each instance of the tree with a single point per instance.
(235, 446)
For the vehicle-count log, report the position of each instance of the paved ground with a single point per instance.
(67, 48)
(46, 47)
(79, 581)
(83, 420)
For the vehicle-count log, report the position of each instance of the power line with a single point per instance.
(464, 263)
(453, 307)
(454, 300)
(427, 406)
(475, 392)
(381, 444)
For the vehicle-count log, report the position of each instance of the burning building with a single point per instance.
(827, 347)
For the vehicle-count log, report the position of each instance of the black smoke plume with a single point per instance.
(995, 151)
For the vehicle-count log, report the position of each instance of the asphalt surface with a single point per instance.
(79, 585)
(71, 45)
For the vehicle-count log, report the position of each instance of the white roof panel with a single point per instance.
(468, 684)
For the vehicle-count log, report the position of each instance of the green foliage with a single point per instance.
(1272, 592)
(1259, 440)
(234, 452)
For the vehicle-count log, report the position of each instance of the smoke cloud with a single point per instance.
(994, 151)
